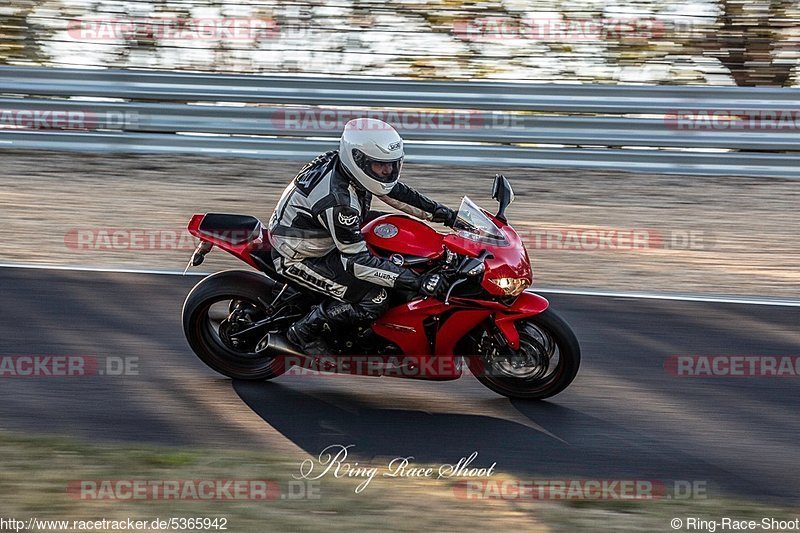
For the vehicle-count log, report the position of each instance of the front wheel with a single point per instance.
(545, 364)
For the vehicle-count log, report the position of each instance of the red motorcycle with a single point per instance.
(510, 339)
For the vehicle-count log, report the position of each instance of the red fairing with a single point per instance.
(527, 304)
(403, 325)
(194, 224)
(509, 260)
(241, 251)
(400, 234)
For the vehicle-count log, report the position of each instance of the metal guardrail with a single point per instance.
(290, 149)
(482, 127)
(506, 122)
(148, 85)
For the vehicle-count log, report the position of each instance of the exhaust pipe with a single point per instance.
(277, 345)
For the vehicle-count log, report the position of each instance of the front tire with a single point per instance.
(546, 363)
(210, 336)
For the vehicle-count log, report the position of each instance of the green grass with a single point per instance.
(36, 471)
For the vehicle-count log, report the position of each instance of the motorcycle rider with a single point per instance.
(315, 231)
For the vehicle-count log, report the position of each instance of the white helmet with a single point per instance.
(366, 141)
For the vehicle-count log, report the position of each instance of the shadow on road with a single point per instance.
(557, 442)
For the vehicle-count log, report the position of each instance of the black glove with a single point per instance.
(444, 215)
(432, 285)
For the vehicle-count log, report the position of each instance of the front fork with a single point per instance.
(527, 305)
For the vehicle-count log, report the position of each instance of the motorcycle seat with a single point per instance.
(233, 229)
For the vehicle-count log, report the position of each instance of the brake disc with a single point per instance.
(243, 315)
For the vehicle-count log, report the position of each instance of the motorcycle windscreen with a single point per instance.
(473, 224)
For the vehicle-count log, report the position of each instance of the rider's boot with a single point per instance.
(306, 332)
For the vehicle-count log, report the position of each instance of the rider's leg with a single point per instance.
(358, 303)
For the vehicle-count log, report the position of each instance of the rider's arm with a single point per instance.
(344, 223)
(416, 204)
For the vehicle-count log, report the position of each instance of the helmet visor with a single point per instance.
(382, 171)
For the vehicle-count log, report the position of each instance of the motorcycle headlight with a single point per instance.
(511, 286)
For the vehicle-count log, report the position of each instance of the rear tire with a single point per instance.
(552, 354)
(207, 342)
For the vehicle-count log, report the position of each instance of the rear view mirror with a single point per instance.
(503, 193)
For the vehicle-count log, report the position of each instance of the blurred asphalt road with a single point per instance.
(624, 417)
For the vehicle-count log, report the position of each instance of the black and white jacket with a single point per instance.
(322, 210)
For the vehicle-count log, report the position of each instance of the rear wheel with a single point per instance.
(224, 317)
(545, 364)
